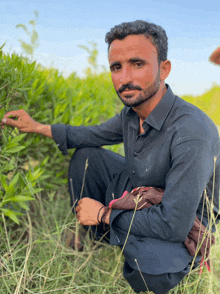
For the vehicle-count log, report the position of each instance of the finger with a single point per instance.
(10, 122)
(14, 113)
(77, 208)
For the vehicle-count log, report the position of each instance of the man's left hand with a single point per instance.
(87, 211)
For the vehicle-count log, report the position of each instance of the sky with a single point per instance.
(192, 27)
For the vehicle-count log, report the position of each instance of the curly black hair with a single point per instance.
(155, 33)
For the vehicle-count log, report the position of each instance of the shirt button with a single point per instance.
(135, 154)
(133, 172)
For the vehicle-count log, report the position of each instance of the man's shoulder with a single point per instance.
(189, 120)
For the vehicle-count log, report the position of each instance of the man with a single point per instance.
(169, 144)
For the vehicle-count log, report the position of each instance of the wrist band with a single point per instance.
(99, 214)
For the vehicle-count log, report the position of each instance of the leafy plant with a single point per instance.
(92, 58)
(30, 47)
(16, 186)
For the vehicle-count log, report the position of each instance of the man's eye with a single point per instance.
(116, 68)
(138, 64)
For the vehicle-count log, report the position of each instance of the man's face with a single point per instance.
(134, 69)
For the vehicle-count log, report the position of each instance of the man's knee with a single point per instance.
(81, 158)
(96, 159)
(87, 152)
(159, 284)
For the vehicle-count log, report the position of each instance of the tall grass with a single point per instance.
(34, 259)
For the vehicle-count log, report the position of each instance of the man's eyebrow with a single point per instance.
(114, 64)
(136, 59)
(131, 60)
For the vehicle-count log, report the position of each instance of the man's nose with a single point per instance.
(126, 76)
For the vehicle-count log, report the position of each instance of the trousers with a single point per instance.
(91, 172)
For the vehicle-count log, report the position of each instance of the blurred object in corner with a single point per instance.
(215, 56)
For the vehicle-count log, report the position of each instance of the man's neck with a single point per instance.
(143, 110)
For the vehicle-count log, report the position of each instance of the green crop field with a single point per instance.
(34, 200)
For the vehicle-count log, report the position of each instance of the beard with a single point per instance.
(143, 96)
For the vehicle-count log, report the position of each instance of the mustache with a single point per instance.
(128, 87)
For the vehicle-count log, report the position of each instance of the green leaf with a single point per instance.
(22, 26)
(37, 190)
(2, 112)
(11, 214)
(34, 85)
(2, 46)
(9, 166)
(25, 88)
(28, 49)
(15, 149)
(18, 138)
(20, 198)
(10, 145)
(14, 180)
(36, 174)
(34, 39)
(23, 205)
(45, 160)
(3, 182)
(32, 22)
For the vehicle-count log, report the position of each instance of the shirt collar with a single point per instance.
(159, 114)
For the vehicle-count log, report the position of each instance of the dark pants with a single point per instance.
(103, 166)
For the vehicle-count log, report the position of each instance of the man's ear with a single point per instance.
(165, 68)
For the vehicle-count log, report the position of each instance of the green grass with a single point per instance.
(34, 260)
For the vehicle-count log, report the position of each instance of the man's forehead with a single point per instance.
(137, 44)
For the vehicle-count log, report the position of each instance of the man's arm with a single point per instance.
(107, 133)
(192, 165)
(25, 123)
(67, 137)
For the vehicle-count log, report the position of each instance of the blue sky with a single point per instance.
(193, 29)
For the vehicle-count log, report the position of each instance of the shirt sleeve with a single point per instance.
(192, 165)
(108, 133)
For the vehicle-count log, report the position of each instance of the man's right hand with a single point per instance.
(25, 123)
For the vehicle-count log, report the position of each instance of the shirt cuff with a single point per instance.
(59, 136)
(118, 236)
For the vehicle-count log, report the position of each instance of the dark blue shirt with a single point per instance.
(179, 152)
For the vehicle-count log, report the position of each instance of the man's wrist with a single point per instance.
(106, 216)
(44, 130)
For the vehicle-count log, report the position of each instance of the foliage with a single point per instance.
(209, 102)
(30, 47)
(93, 67)
(92, 59)
(16, 186)
(49, 99)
